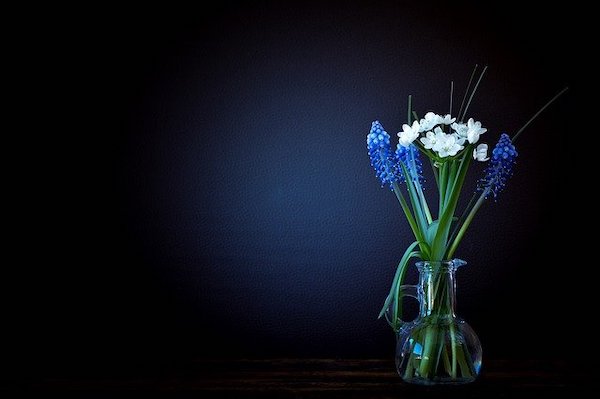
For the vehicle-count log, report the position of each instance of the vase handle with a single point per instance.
(408, 290)
(404, 290)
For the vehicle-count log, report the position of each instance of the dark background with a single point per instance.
(202, 187)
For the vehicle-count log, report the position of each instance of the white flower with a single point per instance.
(480, 153)
(474, 130)
(408, 134)
(461, 130)
(447, 119)
(429, 140)
(432, 137)
(446, 144)
(430, 121)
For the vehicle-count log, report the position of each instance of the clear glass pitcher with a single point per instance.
(437, 347)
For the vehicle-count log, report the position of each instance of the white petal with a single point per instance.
(473, 137)
(415, 126)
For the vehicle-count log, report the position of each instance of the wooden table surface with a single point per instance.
(316, 378)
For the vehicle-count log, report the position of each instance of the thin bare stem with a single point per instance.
(473, 92)
(539, 112)
(451, 95)
(466, 92)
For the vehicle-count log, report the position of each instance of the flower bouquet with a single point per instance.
(438, 347)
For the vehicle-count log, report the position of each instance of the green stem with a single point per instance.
(451, 178)
(409, 363)
(417, 183)
(446, 359)
(440, 241)
(428, 349)
(443, 184)
(463, 216)
(406, 209)
(466, 92)
(473, 92)
(435, 173)
(441, 346)
(453, 348)
(438, 307)
(537, 113)
(411, 221)
(466, 224)
(415, 115)
(451, 95)
(424, 202)
(464, 363)
(411, 183)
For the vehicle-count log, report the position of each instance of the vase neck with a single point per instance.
(437, 288)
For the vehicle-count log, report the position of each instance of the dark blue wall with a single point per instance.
(225, 203)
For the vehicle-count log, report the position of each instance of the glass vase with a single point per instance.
(437, 347)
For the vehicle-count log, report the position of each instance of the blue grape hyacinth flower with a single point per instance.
(500, 168)
(411, 158)
(383, 158)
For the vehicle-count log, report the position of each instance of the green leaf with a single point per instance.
(398, 278)
(417, 207)
(440, 241)
(395, 299)
(406, 209)
(425, 250)
(431, 230)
